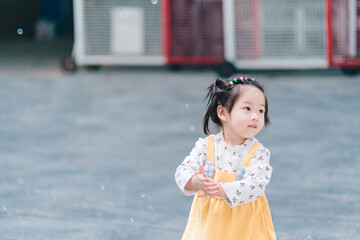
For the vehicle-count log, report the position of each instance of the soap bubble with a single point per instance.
(154, 1)
(151, 207)
(192, 128)
(308, 238)
(102, 187)
(142, 195)
(20, 31)
(4, 208)
(187, 107)
(132, 220)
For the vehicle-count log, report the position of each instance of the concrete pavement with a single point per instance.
(92, 155)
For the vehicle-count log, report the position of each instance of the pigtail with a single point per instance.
(217, 95)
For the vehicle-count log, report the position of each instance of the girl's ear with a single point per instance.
(222, 113)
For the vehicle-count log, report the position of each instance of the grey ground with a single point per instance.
(92, 155)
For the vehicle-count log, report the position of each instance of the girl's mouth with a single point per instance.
(252, 126)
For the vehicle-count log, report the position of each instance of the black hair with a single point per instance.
(225, 93)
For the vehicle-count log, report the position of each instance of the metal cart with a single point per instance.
(344, 35)
(193, 32)
(113, 32)
(275, 34)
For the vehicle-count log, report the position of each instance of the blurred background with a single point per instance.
(227, 36)
(101, 100)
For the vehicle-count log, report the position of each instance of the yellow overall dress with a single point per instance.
(211, 218)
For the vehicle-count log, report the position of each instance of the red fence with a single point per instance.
(343, 33)
(193, 31)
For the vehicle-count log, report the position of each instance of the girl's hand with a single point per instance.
(201, 182)
(219, 193)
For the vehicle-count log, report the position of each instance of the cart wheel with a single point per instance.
(174, 67)
(68, 64)
(225, 69)
(350, 71)
(93, 67)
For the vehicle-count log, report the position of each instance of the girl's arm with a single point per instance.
(190, 166)
(257, 177)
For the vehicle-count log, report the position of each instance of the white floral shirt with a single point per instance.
(228, 158)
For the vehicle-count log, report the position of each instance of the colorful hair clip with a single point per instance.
(240, 80)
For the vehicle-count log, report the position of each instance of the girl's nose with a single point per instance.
(254, 117)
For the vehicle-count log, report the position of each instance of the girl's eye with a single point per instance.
(261, 111)
(247, 108)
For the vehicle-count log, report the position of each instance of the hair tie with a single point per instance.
(241, 80)
(214, 88)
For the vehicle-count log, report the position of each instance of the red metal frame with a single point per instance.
(194, 60)
(257, 29)
(331, 61)
(208, 60)
(166, 27)
(329, 32)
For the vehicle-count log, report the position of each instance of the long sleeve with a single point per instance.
(190, 165)
(257, 177)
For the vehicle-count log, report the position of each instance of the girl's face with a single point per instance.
(246, 118)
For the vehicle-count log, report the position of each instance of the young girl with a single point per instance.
(229, 171)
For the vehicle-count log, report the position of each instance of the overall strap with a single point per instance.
(250, 154)
(210, 150)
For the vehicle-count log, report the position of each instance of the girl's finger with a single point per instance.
(205, 185)
(202, 195)
(212, 188)
(201, 170)
(210, 193)
(214, 184)
(210, 180)
(207, 193)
